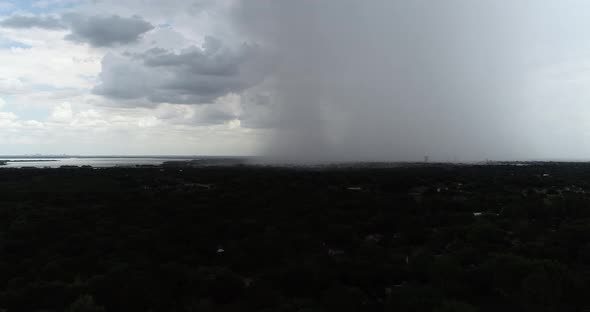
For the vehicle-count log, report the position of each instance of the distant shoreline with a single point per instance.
(6, 162)
(28, 160)
(25, 162)
(187, 157)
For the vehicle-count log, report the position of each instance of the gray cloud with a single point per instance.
(214, 116)
(258, 108)
(393, 79)
(194, 76)
(123, 78)
(21, 21)
(201, 115)
(211, 60)
(104, 31)
(98, 31)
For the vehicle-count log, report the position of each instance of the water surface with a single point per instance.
(97, 162)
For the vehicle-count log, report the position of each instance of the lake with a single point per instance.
(97, 162)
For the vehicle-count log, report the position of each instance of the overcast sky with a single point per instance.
(331, 79)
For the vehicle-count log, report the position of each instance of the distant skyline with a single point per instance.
(300, 80)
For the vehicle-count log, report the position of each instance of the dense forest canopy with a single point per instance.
(421, 238)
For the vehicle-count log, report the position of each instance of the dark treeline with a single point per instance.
(440, 238)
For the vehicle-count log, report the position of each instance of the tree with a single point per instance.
(456, 306)
(85, 303)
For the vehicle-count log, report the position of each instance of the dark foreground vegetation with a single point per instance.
(446, 238)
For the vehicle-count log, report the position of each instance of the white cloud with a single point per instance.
(62, 113)
(11, 85)
(50, 61)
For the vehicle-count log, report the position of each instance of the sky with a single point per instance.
(305, 80)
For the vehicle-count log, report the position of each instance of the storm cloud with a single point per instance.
(197, 75)
(393, 79)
